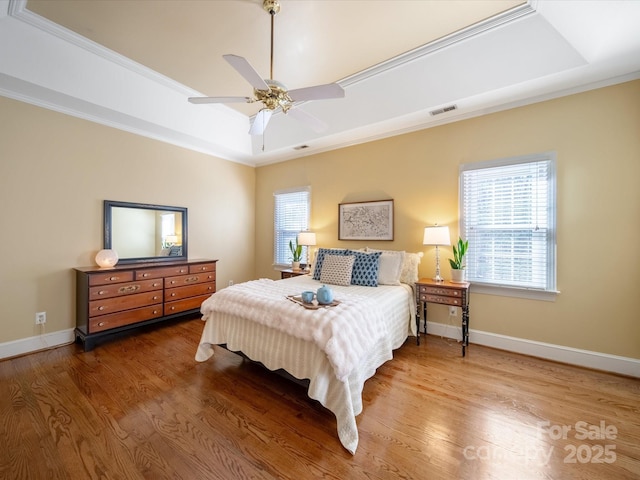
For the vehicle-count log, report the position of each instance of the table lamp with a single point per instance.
(437, 236)
(307, 239)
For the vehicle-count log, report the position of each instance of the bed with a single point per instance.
(336, 348)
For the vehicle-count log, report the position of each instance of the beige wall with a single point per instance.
(55, 171)
(597, 139)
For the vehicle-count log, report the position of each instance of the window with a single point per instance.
(508, 216)
(291, 216)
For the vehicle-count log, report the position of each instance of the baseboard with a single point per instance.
(573, 356)
(37, 343)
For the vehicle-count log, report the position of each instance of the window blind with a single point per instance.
(508, 216)
(291, 216)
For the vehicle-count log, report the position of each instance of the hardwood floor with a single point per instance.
(141, 407)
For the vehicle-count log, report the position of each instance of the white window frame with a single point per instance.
(545, 251)
(287, 225)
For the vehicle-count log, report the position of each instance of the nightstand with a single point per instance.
(444, 293)
(288, 273)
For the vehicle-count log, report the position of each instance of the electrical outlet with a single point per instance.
(453, 311)
(41, 318)
(231, 283)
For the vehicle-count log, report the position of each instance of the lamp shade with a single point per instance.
(436, 236)
(306, 238)
(107, 258)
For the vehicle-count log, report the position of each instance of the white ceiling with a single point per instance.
(131, 64)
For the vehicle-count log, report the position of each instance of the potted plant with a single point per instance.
(457, 272)
(296, 253)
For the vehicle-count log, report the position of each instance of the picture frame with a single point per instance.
(371, 221)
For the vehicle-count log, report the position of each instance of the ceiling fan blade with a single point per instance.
(244, 68)
(198, 100)
(319, 92)
(260, 122)
(313, 122)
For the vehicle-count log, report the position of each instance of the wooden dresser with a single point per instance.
(114, 300)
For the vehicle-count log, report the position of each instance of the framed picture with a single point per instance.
(366, 220)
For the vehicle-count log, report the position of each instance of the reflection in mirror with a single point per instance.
(140, 232)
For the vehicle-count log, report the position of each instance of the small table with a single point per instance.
(288, 273)
(444, 293)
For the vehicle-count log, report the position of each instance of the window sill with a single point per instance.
(502, 291)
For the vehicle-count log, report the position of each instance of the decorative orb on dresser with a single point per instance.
(107, 258)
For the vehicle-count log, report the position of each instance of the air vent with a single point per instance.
(443, 110)
(301, 147)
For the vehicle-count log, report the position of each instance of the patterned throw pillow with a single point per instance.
(336, 269)
(320, 258)
(365, 268)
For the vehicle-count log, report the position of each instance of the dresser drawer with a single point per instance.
(179, 293)
(110, 277)
(106, 322)
(440, 291)
(455, 301)
(185, 280)
(202, 267)
(184, 305)
(148, 273)
(127, 302)
(119, 289)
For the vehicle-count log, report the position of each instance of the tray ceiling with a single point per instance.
(132, 64)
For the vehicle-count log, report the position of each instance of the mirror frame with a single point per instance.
(108, 229)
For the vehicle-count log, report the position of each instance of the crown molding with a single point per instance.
(18, 10)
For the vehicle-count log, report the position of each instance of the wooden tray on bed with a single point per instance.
(311, 306)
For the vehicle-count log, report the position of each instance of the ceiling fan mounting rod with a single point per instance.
(272, 7)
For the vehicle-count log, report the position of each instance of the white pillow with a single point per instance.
(390, 268)
(337, 269)
(409, 274)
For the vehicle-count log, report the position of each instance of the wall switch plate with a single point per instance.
(41, 318)
(452, 311)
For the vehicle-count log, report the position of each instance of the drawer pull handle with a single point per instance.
(173, 294)
(182, 270)
(155, 311)
(191, 279)
(113, 279)
(102, 292)
(156, 284)
(145, 275)
(155, 297)
(173, 308)
(101, 324)
(129, 289)
(173, 282)
(101, 308)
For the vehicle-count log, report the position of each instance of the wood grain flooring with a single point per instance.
(142, 408)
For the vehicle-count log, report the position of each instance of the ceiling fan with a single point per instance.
(272, 93)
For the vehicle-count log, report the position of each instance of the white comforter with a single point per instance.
(337, 348)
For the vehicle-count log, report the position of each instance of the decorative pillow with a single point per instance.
(365, 268)
(390, 268)
(336, 269)
(410, 264)
(409, 274)
(320, 254)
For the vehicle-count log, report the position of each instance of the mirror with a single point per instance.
(139, 232)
